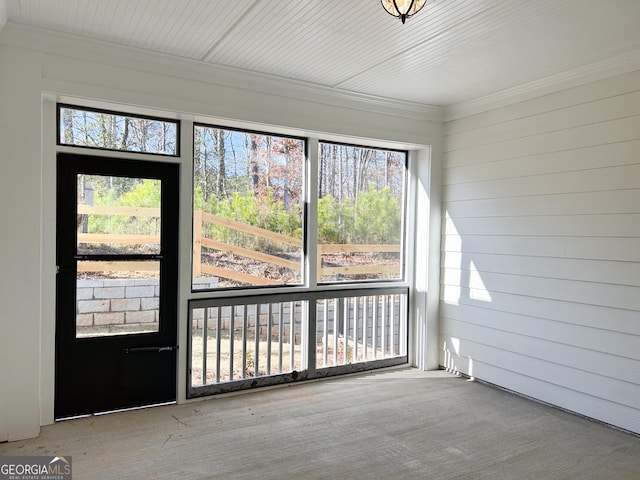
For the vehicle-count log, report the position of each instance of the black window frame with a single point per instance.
(59, 140)
(305, 210)
(405, 205)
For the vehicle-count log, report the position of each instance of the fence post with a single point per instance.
(87, 199)
(197, 243)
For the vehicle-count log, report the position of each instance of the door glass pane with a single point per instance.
(117, 298)
(118, 215)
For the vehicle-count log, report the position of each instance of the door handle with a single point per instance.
(150, 349)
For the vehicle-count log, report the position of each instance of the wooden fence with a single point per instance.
(200, 241)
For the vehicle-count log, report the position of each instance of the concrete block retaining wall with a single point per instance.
(116, 302)
(126, 301)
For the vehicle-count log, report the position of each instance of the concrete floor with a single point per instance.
(397, 423)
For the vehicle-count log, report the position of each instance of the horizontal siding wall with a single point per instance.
(541, 249)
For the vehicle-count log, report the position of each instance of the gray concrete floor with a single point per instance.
(396, 423)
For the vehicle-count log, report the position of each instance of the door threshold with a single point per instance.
(107, 412)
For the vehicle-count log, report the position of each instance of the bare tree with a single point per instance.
(253, 162)
(221, 188)
(67, 122)
(125, 135)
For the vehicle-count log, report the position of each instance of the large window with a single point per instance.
(361, 199)
(248, 209)
(248, 197)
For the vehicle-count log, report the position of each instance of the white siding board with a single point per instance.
(620, 130)
(602, 179)
(603, 294)
(600, 110)
(603, 225)
(607, 388)
(584, 203)
(573, 400)
(588, 248)
(599, 271)
(605, 318)
(619, 368)
(579, 336)
(541, 248)
(593, 157)
(606, 88)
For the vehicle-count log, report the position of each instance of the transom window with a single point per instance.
(107, 130)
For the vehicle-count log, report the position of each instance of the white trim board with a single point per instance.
(624, 62)
(70, 45)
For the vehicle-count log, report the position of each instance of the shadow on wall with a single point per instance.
(462, 283)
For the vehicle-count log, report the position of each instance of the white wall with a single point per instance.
(20, 210)
(36, 64)
(541, 248)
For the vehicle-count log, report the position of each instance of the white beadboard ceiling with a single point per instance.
(450, 52)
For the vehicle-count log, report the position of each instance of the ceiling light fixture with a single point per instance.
(403, 9)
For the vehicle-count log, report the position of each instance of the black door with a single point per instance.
(116, 297)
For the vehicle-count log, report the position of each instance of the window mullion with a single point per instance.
(311, 214)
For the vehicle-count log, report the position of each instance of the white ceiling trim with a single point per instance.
(353, 52)
(68, 44)
(612, 66)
